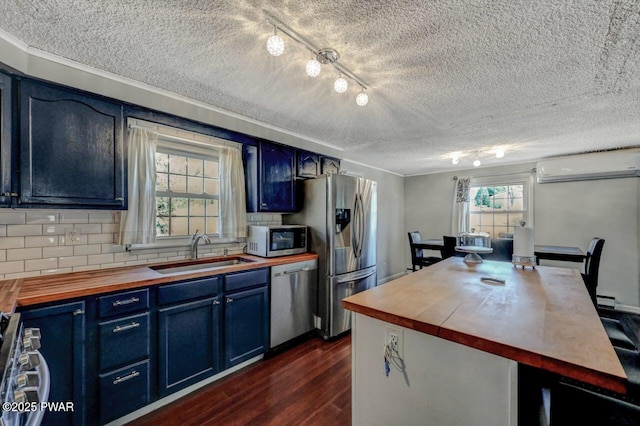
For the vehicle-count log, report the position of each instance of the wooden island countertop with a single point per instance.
(540, 317)
(52, 288)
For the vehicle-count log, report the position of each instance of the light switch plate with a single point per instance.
(71, 236)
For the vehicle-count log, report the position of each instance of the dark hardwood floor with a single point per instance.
(309, 384)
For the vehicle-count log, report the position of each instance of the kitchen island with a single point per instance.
(462, 338)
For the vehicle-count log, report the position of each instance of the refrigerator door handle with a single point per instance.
(357, 277)
(354, 232)
(361, 225)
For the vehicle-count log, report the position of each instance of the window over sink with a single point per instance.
(187, 190)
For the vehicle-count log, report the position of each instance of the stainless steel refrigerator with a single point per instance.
(341, 213)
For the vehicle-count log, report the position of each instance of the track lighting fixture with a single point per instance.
(325, 56)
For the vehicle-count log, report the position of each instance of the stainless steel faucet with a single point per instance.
(195, 238)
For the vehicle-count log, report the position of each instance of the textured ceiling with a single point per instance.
(538, 78)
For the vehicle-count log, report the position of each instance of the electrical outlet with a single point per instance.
(394, 337)
(71, 236)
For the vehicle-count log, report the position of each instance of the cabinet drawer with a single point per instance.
(124, 340)
(247, 279)
(123, 391)
(188, 290)
(123, 303)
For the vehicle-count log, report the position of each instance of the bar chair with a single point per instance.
(592, 267)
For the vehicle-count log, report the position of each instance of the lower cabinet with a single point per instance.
(246, 325)
(114, 353)
(63, 347)
(188, 343)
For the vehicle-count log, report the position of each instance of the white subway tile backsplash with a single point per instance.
(49, 241)
(97, 259)
(72, 261)
(11, 242)
(57, 251)
(21, 275)
(110, 228)
(40, 264)
(81, 249)
(100, 238)
(42, 217)
(74, 217)
(23, 230)
(33, 243)
(11, 267)
(89, 228)
(100, 217)
(12, 218)
(23, 254)
(54, 229)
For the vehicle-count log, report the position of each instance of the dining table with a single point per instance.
(541, 251)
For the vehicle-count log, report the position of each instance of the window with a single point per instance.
(496, 209)
(187, 189)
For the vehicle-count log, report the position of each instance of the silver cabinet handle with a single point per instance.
(78, 312)
(120, 328)
(125, 302)
(229, 300)
(216, 302)
(119, 199)
(129, 376)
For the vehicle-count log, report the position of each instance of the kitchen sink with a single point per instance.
(201, 265)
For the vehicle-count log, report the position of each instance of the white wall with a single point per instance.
(390, 260)
(569, 214)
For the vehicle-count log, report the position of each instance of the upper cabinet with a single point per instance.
(6, 99)
(307, 164)
(270, 177)
(329, 165)
(71, 149)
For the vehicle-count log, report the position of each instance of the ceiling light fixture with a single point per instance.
(476, 163)
(313, 68)
(499, 153)
(275, 44)
(362, 98)
(325, 56)
(340, 85)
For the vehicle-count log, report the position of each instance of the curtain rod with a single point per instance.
(501, 174)
(165, 131)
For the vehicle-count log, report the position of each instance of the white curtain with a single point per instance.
(138, 223)
(233, 209)
(460, 222)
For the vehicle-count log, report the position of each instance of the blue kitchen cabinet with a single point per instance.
(6, 135)
(307, 164)
(270, 177)
(329, 165)
(62, 328)
(189, 326)
(124, 353)
(246, 316)
(71, 149)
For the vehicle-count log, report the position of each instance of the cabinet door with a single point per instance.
(329, 165)
(246, 325)
(6, 165)
(277, 183)
(63, 346)
(251, 180)
(307, 164)
(71, 149)
(188, 343)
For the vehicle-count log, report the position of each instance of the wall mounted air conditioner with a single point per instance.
(600, 165)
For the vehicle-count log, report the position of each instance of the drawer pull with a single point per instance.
(126, 302)
(216, 302)
(129, 376)
(126, 327)
(229, 300)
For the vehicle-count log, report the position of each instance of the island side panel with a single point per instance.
(445, 382)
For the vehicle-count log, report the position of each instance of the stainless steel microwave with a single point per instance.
(274, 241)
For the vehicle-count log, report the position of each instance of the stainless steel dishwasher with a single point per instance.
(294, 295)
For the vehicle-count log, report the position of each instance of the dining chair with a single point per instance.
(592, 267)
(449, 246)
(417, 256)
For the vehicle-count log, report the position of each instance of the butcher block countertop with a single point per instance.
(543, 317)
(52, 288)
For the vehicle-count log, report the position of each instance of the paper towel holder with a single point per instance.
(520, 260)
